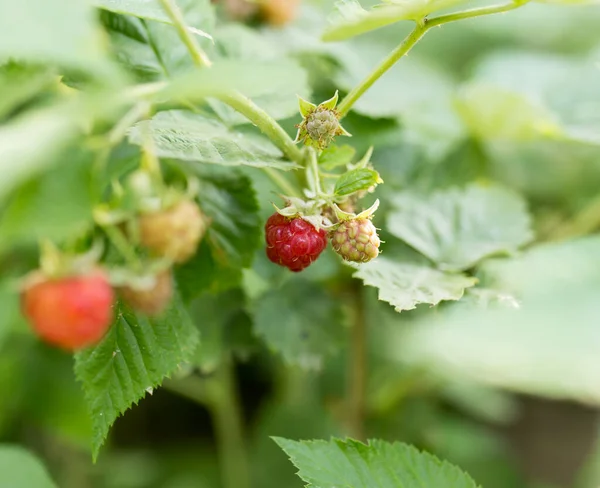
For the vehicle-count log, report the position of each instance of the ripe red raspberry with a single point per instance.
(150, 300)
(293, 242)
(175, 232)
(71, 312)
(356, 240)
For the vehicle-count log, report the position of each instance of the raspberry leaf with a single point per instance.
(355, 181)
(352, 464)
(351, 19)
(405, 285)
(229, 201)
(452, 227)
(192, 137)
(21, 469)
(335, 156)
(133, 358)
(301, 322)
(145, 9)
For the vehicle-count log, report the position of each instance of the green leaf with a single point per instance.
(545, 346)
(301, 322)
(133, 359)
(144, 9)
(418, 93)
(549, 265)
(552, 92)
(457, 228)
(19, 83)
(405, 285)
(165, 42)
(356, 180)
(21, 469)
(54, 128)
(192, 137)
(495, 113)
(335, 156)
(228, 199)
(238, 42)
(54, 205)
(352, 464)
(26, 27)
(351, 19)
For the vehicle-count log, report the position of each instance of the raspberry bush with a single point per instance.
(238, 222)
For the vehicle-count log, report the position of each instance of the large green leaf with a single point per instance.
(238, 42)
(405, 285)
(133, 358)
(351, 19)
(26, 29)
(456, 228)
(55, 205)
(552, 92)
(50, 128)
(352, 464)
(547, 346)
(21, 469)
(301, 322)
(229, 201)
(192, 137)
(145, 9)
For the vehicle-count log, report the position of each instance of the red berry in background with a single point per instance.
(72, 312)
(175, 232)
(151, 300)
(293, 242)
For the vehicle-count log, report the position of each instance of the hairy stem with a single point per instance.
(266, 124)
(174, 13)
(407, 44)
(357, 368)
(358, 91)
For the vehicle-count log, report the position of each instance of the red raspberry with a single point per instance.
(293, 242)
(175, 232)
(72, 312)
(151, 300)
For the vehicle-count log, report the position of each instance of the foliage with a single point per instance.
(477, 158)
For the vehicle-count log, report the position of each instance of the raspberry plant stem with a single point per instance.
(267, 124)
(218, 394)
(357, 367)
(407, 44)
(174, 13)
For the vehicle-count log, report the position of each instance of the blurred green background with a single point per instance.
(512, 399)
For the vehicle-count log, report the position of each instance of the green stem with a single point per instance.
(266, 124)
(218, 394)
(282, 182)
(236, 100)
(407, 44)
(174, 13)
(476, 12)
(357, 368)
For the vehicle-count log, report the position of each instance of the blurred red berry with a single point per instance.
(293, 242)
(72, 312)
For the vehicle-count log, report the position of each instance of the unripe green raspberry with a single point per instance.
(322, 126)
(356, 240)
